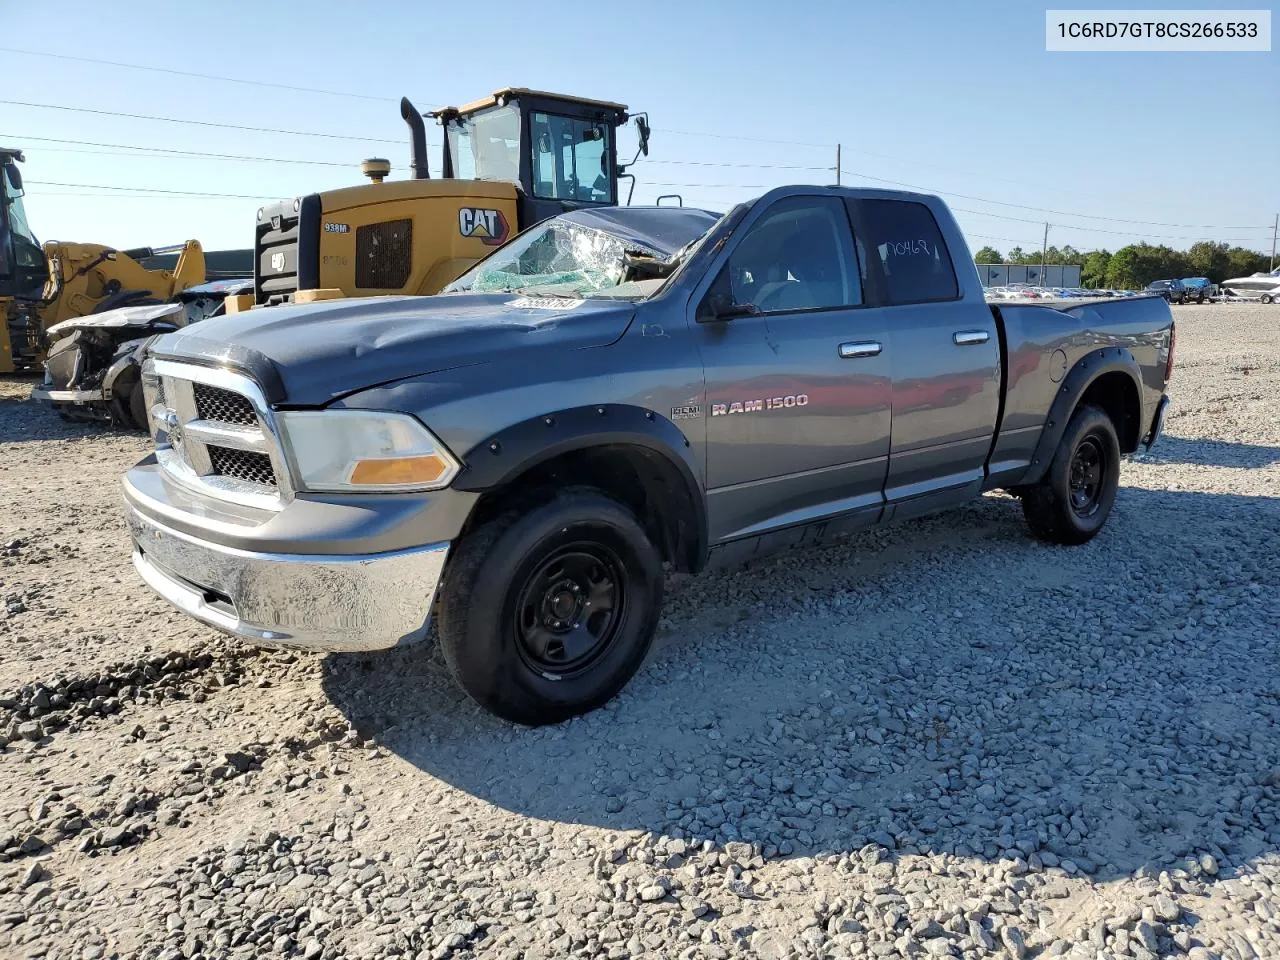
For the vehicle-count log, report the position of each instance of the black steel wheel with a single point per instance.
(569, 609)
(547, 610)
(1073, 499)
(1085, 481)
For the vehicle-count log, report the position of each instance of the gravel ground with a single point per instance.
(940, 739)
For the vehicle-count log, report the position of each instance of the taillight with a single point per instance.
(1168, 364)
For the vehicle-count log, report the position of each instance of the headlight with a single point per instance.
(352, 451)
(151, 393)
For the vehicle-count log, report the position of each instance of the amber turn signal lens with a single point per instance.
(399, 470)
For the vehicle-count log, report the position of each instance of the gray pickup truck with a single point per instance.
(615, 391)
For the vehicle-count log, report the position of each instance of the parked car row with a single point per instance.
(1021, 291)
(1197, 289)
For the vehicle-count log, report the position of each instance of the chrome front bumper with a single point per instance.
(66, 396)
(319, 602)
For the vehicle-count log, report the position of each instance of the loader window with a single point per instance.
(31, 269)
(571, 159)
(486, 145)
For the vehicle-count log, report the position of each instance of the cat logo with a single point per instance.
(490, 227)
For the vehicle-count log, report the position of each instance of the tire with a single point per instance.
(138, 407)
(514, 626)
(1065, 507)
(1266, 298)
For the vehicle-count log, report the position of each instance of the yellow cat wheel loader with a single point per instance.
(43, 287)
(509, 161)
(23, 274)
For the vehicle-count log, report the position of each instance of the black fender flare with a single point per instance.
(1087, 369)
(508, 453)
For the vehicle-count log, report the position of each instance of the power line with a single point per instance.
(1059, 213)
(125, 196)
(195, 154)
(181, 154)
(950, 193)
(750, 166)
(156, 190)
(1090, 229)
(689, 133)
(196, 123)
(198, 76)
(731, 136)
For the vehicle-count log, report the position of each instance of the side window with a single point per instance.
(906, 248)
(798, 256)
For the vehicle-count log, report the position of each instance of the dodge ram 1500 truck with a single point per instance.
(613, 392)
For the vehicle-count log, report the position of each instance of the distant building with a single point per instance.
(1055, 274)
(218, 264)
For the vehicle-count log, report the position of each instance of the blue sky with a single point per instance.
(959, 98)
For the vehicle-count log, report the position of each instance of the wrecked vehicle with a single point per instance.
(612, 392)
(94, 363)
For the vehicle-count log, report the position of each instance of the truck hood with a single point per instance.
(311, 354)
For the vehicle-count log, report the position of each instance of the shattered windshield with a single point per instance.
(559, 258)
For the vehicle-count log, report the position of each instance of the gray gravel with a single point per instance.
(943, 739)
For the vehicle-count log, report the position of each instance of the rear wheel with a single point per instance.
(1266, 298)
(547, 612)
(1072, 501)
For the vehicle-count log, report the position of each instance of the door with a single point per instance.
(797, 382)
(945, 357)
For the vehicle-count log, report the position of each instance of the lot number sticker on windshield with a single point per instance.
(545, 303)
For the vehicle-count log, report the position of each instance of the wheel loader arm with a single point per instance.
(89, 277)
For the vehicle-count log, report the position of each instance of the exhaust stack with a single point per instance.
(417, 140)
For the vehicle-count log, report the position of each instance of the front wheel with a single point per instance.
(547, 612)
(1266, 298)
(1072, 501)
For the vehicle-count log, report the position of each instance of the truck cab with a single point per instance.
(510, 160)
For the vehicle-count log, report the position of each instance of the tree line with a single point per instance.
(1136, 265)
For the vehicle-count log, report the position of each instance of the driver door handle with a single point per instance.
(964, 338)
(860, 348)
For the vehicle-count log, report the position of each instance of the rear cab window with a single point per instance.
(903, 252)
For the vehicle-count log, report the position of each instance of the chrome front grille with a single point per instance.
(242, 465)
(216, 433)
(223, 406)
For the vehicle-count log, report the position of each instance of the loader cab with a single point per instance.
(562, 151)
(23, 270)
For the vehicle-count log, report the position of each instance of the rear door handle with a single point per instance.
(860, 348)
(964, 338)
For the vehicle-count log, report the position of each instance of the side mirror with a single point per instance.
(14, 174)
(717, 306)
(642, 124)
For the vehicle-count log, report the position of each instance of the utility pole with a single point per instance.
(1275, 227)
(1044, 249)
(838, 166)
